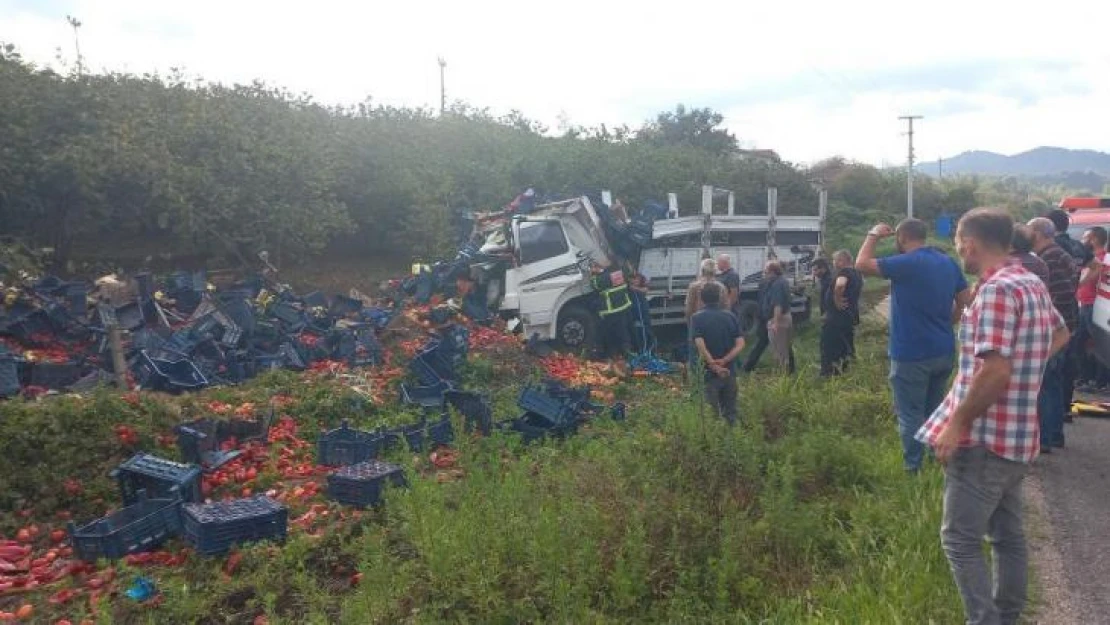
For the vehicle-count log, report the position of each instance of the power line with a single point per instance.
(909, 165)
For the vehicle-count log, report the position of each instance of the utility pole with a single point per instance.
(442, 88)
(76, 24)
(909, 166)
(940, 167)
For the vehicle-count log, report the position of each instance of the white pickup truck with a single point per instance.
(548, 286)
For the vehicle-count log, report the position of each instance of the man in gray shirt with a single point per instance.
(774, 319)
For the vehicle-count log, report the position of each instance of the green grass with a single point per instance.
(802, 514)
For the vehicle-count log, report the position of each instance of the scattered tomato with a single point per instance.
(25, 611)
(233, 562)
(57, 536)
(23, 535)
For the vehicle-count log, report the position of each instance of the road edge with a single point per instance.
(1050, 594)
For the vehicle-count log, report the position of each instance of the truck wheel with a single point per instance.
(801, 317)
(577, 327)
(749, 316)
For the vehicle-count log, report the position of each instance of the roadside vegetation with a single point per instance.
(117, 170)
(802, 514)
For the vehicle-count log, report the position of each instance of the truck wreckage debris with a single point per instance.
(528, 263)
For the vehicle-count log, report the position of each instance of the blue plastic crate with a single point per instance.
(139, 527)
(559, 390)
(361, 484)
(200, 441)
(455, 340)
(430, 367)
(214, 528)
(475, 410)
(24, 326)
(346, 446)
(172, 376)
(55, 375)
(159, 477)
(556, 411)
(419, 436)
(430, 396)
(532, 428)
(9, 376)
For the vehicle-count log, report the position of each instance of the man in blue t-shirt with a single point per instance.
(928, 293)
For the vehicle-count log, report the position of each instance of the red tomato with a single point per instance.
(232, 562)
(58, 536)
(23, 535)
(25, 611)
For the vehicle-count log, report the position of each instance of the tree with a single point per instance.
(698, 128)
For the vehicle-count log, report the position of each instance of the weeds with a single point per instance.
(801, 514)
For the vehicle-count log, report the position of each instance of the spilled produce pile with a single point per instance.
(76, 540)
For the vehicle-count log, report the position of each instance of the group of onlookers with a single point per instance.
(715, 317)
(1020, 353)
(1018, 357)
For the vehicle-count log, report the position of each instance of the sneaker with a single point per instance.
(1046, 449)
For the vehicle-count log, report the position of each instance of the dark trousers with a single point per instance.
(1050, 401)
(616, 334)
(721, 394)
(838, 335)
(761, 342)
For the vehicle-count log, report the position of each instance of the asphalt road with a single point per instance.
(1068, 496)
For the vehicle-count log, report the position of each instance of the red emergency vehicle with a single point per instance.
(1088, 212)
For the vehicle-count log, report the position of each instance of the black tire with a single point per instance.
(749, 316)
(805, 315)
(577, 327)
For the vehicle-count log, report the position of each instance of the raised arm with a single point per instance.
(866, 262)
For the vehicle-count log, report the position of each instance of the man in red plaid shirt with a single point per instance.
(986, 432)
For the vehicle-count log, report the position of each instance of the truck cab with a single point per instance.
(547, 287)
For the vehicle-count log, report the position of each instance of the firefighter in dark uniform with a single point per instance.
(611, 285)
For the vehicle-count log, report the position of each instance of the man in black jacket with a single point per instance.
(841, 306)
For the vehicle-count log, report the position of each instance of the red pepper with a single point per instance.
(232, 562)
(63, 596)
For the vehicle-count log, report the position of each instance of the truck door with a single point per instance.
(548, 267)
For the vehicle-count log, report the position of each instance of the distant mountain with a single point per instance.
(1041, 162)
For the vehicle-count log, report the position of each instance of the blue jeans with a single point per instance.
(1050, 402)
(918, 388)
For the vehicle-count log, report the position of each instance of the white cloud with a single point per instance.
(618, 62)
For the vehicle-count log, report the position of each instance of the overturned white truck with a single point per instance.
(548, 286)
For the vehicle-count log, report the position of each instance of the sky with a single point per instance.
(809, 79)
